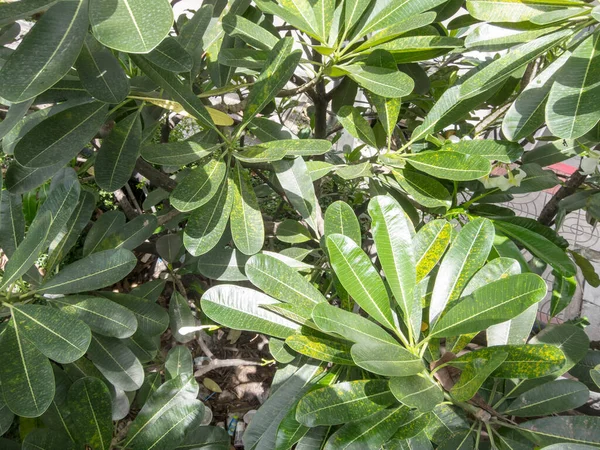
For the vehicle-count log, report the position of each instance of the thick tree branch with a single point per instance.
(570, 187)
(155, 176)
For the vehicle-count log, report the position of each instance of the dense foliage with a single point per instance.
(335, 175)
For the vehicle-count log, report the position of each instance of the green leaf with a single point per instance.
(280, 351)
(417, 391)
(259, 153)
(321, 349)
(314, 439)
(92, 272)
(132, 234)
(249, 32)
(474, 375)
(292, 232)
(60, 137)
(131, 26)
(281, 282)
(179, 92)
(552, 153)
(341, 219)
(539, 246)
(207, 224)
(181, 153)
(14, 116)
(451, 165)
(373, 431)
(355, 124)
(90, 409)
(223, 262)
(295, 180)
(569, 338)
(66, 239)
(386, 359)
(523, 361)
(207, 437)
(388, 110)
(318, 169)
(354, 171)
(358, 276)
(445, 424)
(452, 106)
(491, 304)
(430, 244)
(382, 81)
(350, 326)
(240, 308)
(192, 32)
(45, 439)
(119, 152)
(170, 412)
(57, 335)
(570, 111)
(109, 223)
(502, 151)
(514, 11)
(396, 29)
(180, 315)
(517, 330)
(414, 423)
(61, 201)
(28, 251)
(262, 431)
(25, 374)
(466, 255)
(537, 179)
(6, 417)
(527, 113)
(247, 227)
(289, 431)
(389, 14)
(488, 37)
(47, 52)
(343, 402)
(426, 191)
(116, 362)
(407, 49)
(563, 290)
(100, 72)
(170, 55)
(500, 69)
(179, 362)
(563, 429)
(550, 398)
(393, 233)
(101, 315)
(13, 11)
(169, 247)
(298, 147)
(199, 186)
(279, 68)
(152, 318)
(353, 11)
(12, 222)
(150, 290)
(144, 347)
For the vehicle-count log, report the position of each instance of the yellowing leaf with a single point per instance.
(219, 118)
(211, 385)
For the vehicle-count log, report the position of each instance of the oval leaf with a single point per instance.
(131, 26)
(92, 272)
(57, 335)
